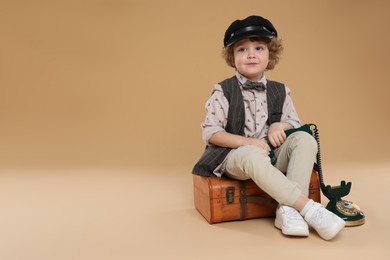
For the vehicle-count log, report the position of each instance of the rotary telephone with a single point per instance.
(347, 210)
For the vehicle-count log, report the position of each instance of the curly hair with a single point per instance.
(274, 45)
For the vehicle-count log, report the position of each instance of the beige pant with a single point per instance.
(295, 158)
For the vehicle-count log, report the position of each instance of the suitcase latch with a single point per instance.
(230, 195)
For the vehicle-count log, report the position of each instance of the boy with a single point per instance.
(246, 114)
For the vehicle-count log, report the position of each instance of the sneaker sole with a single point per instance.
(298, 232)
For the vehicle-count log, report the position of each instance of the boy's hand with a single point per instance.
(259, 143)
(276, 134)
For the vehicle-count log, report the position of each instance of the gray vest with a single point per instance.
(214, 155)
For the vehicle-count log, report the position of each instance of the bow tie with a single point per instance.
(253, 85)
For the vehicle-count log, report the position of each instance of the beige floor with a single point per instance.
(149, 214)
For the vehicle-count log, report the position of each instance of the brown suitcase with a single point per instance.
(223, 199)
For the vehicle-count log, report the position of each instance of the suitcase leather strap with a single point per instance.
(244, 199)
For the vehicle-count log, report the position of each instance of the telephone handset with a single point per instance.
(347, 210)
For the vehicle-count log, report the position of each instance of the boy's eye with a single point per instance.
(259, 48)
(241, 49)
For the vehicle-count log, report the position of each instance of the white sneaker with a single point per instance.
(326, 223)
(290, 221)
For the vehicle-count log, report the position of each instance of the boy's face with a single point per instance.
(251, 58)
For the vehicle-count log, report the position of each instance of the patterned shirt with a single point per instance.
(256, 112)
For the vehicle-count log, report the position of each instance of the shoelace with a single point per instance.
(291, 213)
(318, 216)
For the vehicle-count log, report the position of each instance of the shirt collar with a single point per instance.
(242, 79)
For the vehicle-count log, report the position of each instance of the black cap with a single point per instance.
(252, 26)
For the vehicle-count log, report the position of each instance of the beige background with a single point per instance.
(101, 100)
(125, 82)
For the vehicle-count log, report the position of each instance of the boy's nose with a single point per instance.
(251, 53)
